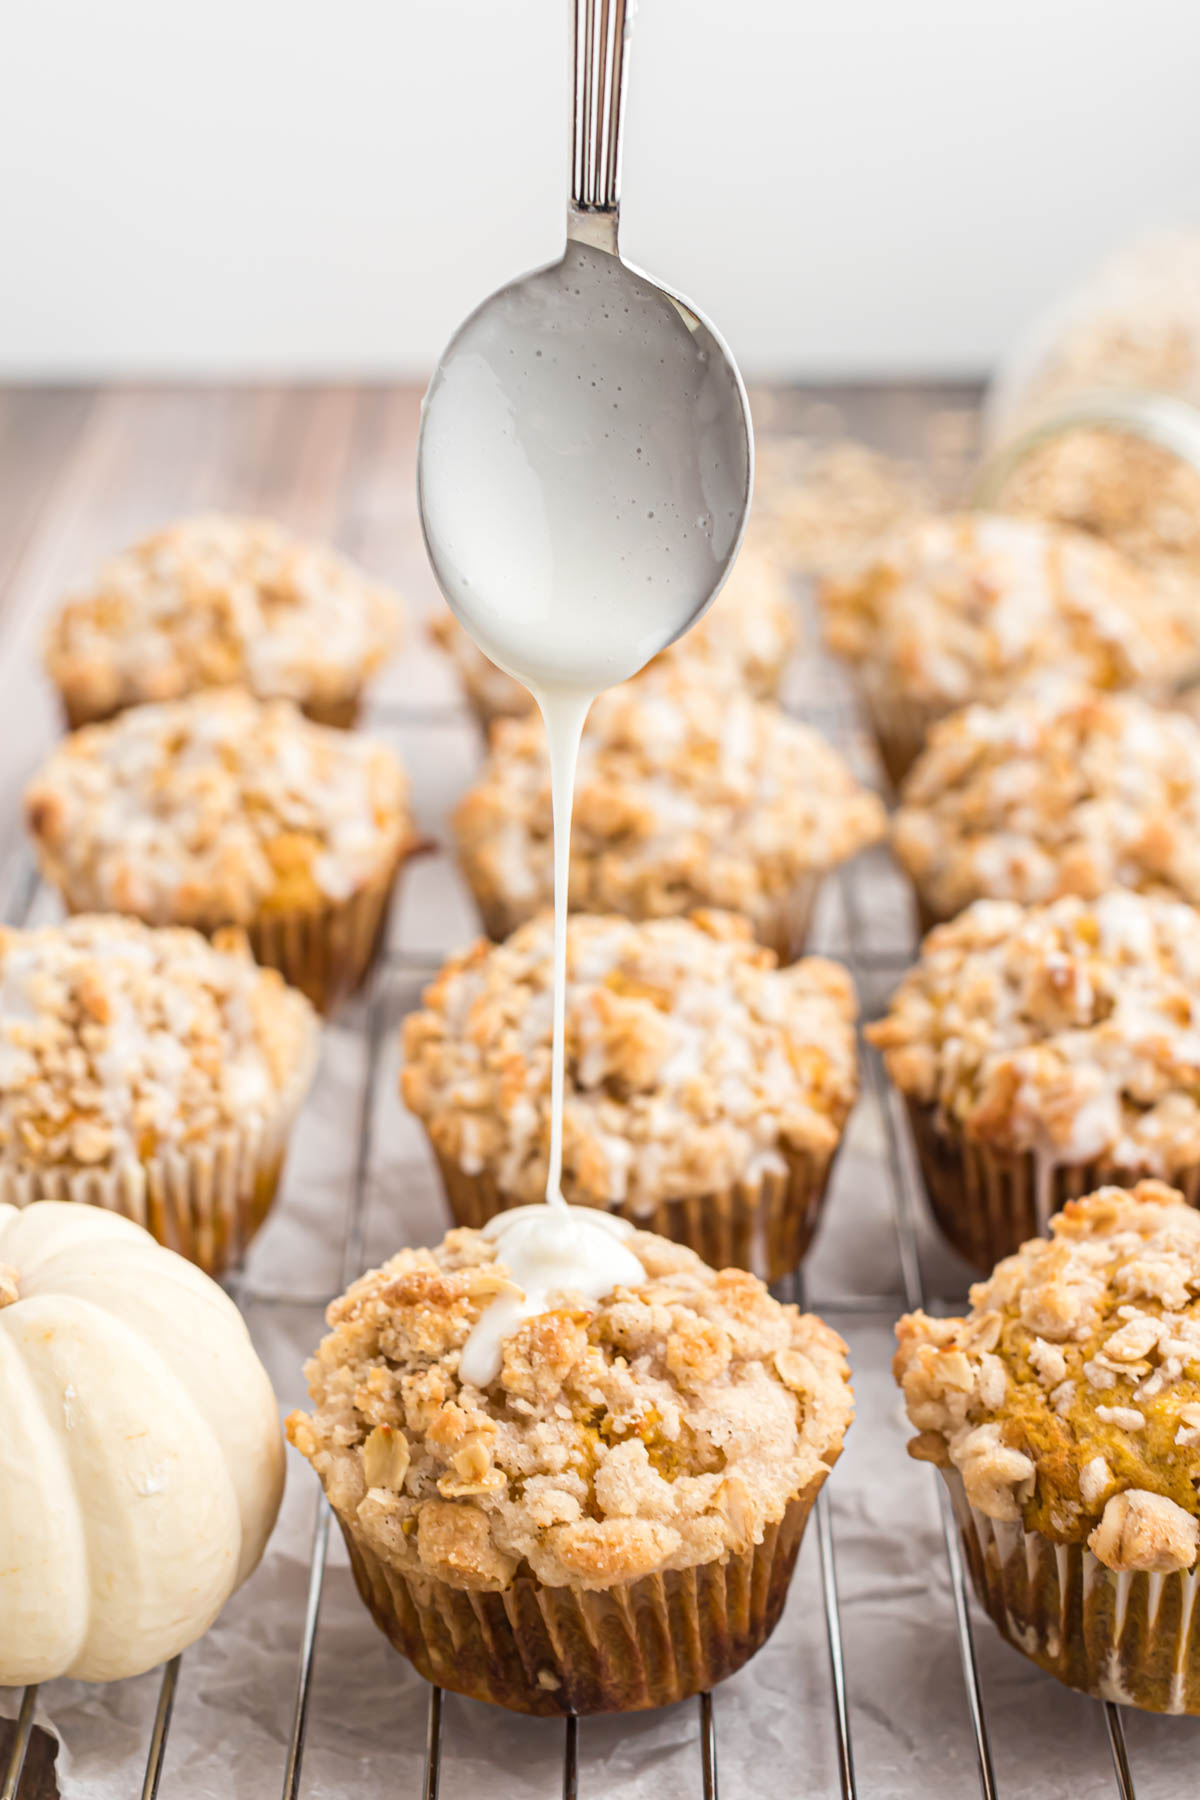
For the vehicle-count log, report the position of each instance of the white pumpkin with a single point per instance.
(141, 1458)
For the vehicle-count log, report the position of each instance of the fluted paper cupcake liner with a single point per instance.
(988, 1202)
(782, 925)
(899, 726)
(328, 952)
(205, 1200)
(765, 1225)
(1132, 1637)
(340, 711)
(558, 1650)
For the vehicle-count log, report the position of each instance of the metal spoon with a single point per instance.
(683, 395)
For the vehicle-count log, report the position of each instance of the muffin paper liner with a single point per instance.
(988, 1203)
(559, 1650)
(899, 726)
(328, 953)
(782, 925)
(205, 1201)
(1132, 1637)
(765, 1225)
(342, 712)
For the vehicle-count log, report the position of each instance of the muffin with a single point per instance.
(1064, 792)
(1047, 1051)
(821, 506)
(1064, 1415)
(687, 795)
(611, 1524)
(706, 1089)
(225, 810)
(150, 1072)
(747, 636)
(968, 608)
(213, 601)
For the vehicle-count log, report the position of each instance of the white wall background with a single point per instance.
(325, 186)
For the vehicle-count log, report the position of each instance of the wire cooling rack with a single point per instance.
(875, 960)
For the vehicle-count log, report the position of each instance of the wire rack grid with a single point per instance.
(875, 965)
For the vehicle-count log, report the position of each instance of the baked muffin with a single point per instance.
(820, 506)
(1063, 792)
(612, 1523)
(687, 794)
(1044, 1052)
(225, 810)
(706, 1089)
(974, 607)
(152, 1073)
(1064, 1415)
(747, 636)
(213, 601)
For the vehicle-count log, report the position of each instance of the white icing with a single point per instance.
(551, 1252)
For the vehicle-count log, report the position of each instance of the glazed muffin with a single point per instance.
(746, 637)
(215, 601)
(1064, 792)
(687, 794)
(969, 608)
(820, 506)
(612, 1523)
(1046, 1051)
(150, 1072)
(706, 1089)
(1064, 1415)
(225, 810)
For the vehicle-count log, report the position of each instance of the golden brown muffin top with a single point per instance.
(692, 1061)
(211, 601)
(1070, 1030)
(1069, 1397)
(687, 794)
(1065, 792)
(666, 1427)
(974, 606)
(215, 810)
(119, 1040)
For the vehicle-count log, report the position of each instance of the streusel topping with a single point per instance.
(823, 505)
(1064, 792)
(692, 1061)
(119, 1041)
(1069, 1397)
(215, 810)
(747, 635)
(687, 794)
(212, 601)
(1072, 1030)
(660, 1430)
(972, 607)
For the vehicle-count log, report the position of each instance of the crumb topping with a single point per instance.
(687, 794)
(823, 504)
(1069, 1396)
(213, 601)
(1072, 1030)
(216, 809)
(1065, 792)
(692, 1061)
(660, 1430)
(747, 635)
(971, 607)
(119, 1041)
